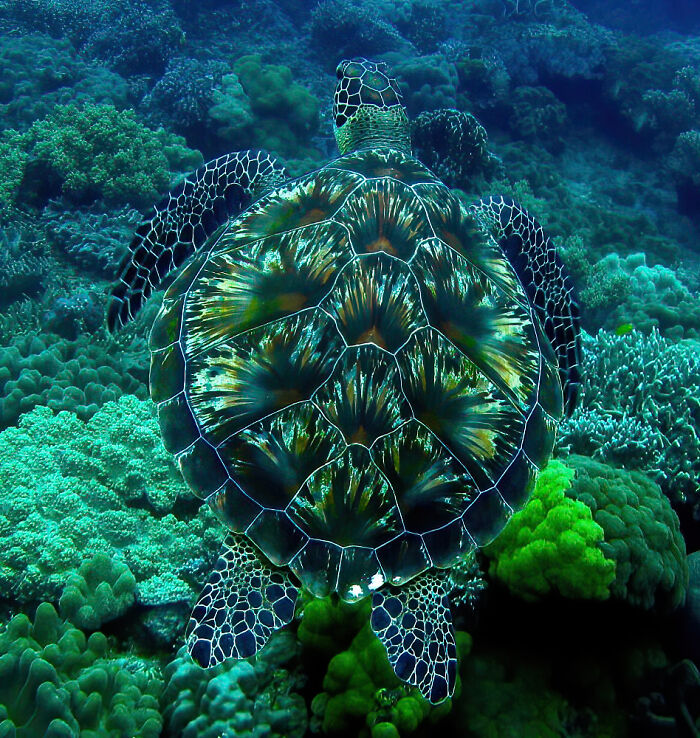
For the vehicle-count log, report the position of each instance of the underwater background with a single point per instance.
(583, 617)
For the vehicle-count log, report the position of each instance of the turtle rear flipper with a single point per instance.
(543, 276)
(182, 222)
(414, 623)
(244, 602)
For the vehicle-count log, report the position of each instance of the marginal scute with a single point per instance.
(233, 507)
(518, 481)
(316, 566)
(403, 558)
(202, 468)
(387, 163)
(360, 573)
(539, 438)
(448, 543)
(276, 536)
(168, 324)
(486, 517)
(167, 376)
(177, 424)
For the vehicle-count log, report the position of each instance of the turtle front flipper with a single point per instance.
(541, 272)
(240, 607)
(182, 222)
(414, 623)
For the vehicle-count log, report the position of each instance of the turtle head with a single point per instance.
(367, 108)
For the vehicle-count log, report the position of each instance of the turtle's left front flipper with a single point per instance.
(414, 623)
(181, 223)
(541, 272)
(244, 602)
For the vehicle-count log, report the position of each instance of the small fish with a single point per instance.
(624, 329)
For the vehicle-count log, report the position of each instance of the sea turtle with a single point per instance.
(359, 373)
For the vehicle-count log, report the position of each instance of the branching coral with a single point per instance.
(639, 409)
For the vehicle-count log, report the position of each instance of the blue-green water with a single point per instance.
(367, 367)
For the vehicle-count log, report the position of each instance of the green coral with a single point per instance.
(56, 683)
(552, 545)
(260, 105)
(641, 534)
(87, 152)
(72, 489)
(363, 697)
(101, 590)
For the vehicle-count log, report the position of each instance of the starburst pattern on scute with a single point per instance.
(348, 502)
(362, 360)
(492, 331)
(271, 460)
(388, 163)
(261, 372)
(376, 300)
(459, 405)
(383, 215)
(430, 487)
(363, 397)
(263, 281)
(310, 199)
(460, 230)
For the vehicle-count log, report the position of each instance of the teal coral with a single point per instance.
(654, 431)
(101, 590)
(552, 545)
(71, 489)
(246, 698)
(56, 683)
(80, 375)
(642, 534)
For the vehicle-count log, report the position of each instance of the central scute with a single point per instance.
(359, 377)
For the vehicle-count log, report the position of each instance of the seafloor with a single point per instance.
(583, 618)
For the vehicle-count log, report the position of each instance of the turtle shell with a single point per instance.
(352, 376)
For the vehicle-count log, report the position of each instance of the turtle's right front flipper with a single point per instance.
(182, 222)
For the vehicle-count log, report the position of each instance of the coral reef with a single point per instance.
(552, 545)
(57, 683)
(654, 430)
(248, 698)
(79, 375)
(72, 489)
(101, 590)
(641, 534)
